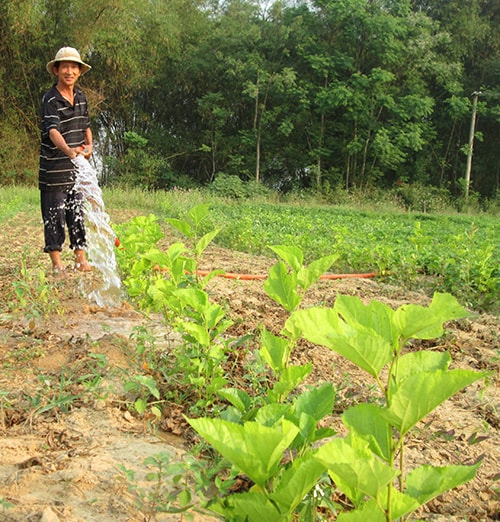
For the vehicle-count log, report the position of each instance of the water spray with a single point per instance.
(101, 240)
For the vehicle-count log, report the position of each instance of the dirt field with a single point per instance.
(61, 464)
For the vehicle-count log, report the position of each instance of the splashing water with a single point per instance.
(100, 236)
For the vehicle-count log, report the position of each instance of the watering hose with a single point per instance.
(258, 277)
(261, 277)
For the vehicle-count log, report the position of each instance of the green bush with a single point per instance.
(230, 186)
(18, 154)
(418, 197)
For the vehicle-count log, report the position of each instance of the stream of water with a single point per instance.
(100, 238)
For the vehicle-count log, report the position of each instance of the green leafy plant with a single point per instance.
(256, 432)
(152, 275)
(200, 358)
(162, 494)
(32, 295)
(143, 387)
(192, 228)
(368, 465)
(170, 485)
(289, 278)
(365, 464)
(168, 282)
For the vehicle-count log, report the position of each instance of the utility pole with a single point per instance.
(475, 95)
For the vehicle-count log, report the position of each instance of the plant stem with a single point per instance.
(401, 465)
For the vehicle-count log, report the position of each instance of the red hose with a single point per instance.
(261, 277)
(257, 277)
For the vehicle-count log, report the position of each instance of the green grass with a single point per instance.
(16, 199)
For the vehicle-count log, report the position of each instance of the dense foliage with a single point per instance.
(321, 94)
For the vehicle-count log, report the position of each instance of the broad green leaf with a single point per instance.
(149, 383)
(307, 276)
(316, 402)
(275, 351)
(156, 257)
(232, 414)
(281, 287)
(290, 254)
(423, 361)
(296, 482)
(375, 316)
(182, 226)
(213, 314)
(255, 449)
(184, 498)
(193, 297)
(202, 244)
(199, 212)
(196, 332)
(156, 412)
(251, 506)
(426, 482)
(238, 398)
(270, 414)
(367, 421)
(307, 430)
(419, 394)
(360, 345)
(290, 378)
(140, 406)
(368, 512)
(419, 322)
(175, 250)
(354, 468)
(401, 504)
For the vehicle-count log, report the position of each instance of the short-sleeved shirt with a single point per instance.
(57, 172)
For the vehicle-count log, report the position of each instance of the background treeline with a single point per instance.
(324, 94)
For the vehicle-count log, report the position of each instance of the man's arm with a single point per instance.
(58, 140)
(87, 151)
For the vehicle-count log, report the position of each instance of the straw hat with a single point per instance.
(68, 54)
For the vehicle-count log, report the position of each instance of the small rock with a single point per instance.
(128, 416)
(48, 515)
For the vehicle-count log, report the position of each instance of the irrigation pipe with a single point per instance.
(258, 277)
(261, 277)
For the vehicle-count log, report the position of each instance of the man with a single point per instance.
(65, 128)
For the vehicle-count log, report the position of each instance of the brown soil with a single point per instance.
(61, 464)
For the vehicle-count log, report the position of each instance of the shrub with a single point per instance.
(230, 186)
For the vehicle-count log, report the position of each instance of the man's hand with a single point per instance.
(86, 151)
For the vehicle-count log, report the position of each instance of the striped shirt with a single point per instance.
(57, 171)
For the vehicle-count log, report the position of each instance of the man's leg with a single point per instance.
(52, 204)
(76, 225)
(55, 257)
